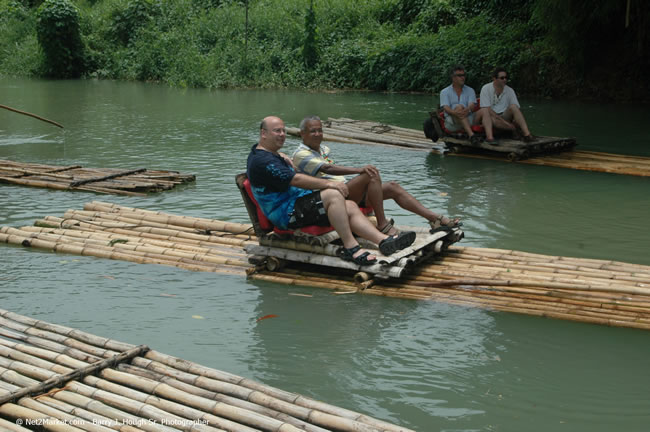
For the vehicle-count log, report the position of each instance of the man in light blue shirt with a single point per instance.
(458, 102)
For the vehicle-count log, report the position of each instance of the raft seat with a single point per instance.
(267, 225)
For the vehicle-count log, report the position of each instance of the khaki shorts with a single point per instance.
(453, 125)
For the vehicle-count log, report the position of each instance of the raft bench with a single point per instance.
(316, 244)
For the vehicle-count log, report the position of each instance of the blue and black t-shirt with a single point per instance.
(270, 176)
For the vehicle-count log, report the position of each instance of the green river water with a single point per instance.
(424, 365)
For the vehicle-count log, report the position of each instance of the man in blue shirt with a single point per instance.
(458, 102)
(292, 200)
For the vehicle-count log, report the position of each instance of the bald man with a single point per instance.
(291, 200)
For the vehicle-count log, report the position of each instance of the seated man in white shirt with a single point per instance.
(366, 188)
(500, 109)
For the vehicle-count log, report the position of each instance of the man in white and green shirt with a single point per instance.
(366, 189)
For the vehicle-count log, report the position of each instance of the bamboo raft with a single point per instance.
(275, 248)
(60, 379)
(366, 132)
(584, 290)
(134, 182)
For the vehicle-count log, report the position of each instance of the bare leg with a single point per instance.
(392, 190)
(360, 224)
(501, 123)
(483, 116)
(464, 122)
(372, 188)
(517, 116)
(345, 216)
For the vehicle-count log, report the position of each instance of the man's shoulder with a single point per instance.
(303, 152)
(486, 87)
(447, 89)
(468, 89)
(301, 149)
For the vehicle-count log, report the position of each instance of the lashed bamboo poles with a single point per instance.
(160, 387)
(348, 130)
(596, 291)
(113, 181)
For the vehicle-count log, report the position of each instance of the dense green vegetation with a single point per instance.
(585, 48)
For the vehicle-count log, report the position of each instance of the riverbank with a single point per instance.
(379, 46)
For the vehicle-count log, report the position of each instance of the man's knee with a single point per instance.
(392, 189)
(330, 196)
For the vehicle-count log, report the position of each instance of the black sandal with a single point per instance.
(348, 255)
(394, 243)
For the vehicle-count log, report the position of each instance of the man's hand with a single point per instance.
(339, 186)
(371, 170)
(460, 111)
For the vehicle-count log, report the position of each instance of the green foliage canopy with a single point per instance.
(550, 47)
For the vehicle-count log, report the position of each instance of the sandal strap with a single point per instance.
(389, 225)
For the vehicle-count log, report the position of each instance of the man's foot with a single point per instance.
(475, 140)
(491, 142)
(529, 138)
(444, 221)
(357, 256)
(392, 244)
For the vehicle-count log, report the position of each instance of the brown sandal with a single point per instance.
(437, 223)
(389, 226)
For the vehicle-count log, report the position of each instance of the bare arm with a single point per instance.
(305, 181)
(343, 170)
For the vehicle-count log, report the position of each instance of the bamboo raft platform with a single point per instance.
(372, 133)
(584, 290)
(134, 182)
(61, 379)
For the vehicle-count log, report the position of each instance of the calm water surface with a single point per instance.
(424, 365)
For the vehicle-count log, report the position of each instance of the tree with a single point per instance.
(60, 39)
(310, 47)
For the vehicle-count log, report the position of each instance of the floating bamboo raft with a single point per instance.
(367, 132)
(586, 290)
(136, 182)
(61, 379)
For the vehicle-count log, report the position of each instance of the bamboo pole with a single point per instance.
(31, 115)
(208, 374)
(188, 383)
(79, 373)
(183, 221)
(35, 417)
(12, 427)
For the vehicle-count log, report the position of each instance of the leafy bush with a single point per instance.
(125, 21)
(19, 52)
(60, 39)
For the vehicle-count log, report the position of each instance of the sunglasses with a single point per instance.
(459, 75)
(502, 77)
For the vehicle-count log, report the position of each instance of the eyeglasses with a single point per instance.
(461, 75)
(277, 130)
(502, 77)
